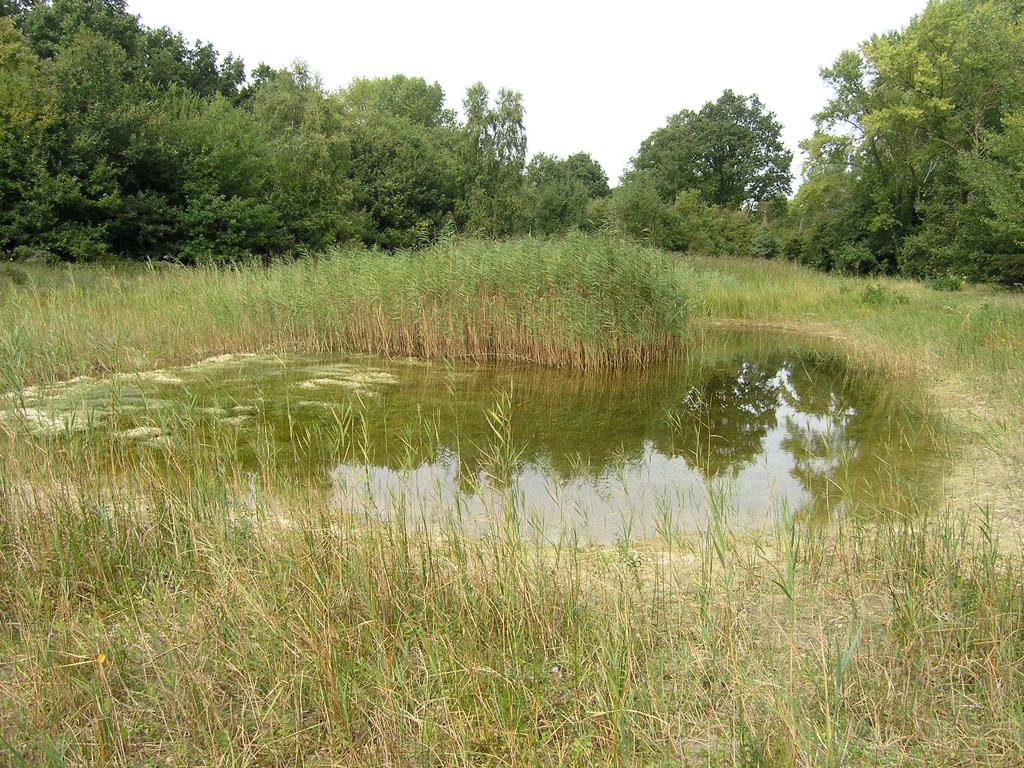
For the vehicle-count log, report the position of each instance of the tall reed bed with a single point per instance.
(583, 302)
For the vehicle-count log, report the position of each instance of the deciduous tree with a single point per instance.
(730, 151)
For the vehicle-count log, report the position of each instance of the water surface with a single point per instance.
(745, 426)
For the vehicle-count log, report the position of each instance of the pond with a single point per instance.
(747, 425)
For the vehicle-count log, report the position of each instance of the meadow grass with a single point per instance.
(180, 615)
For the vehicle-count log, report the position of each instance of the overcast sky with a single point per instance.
(595, 76)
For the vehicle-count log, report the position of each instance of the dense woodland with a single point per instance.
(121, 140)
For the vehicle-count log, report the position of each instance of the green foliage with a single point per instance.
(589, 172)
(995, 175)
(730, 151)
(494, 158)
(27, 111)
(312, 169)
(695, 222)
(855, 259)
(15, 275)
(879, 294)
(404, 165)
(117, 139)
(561, 190)
(598, 215)
(915, 155)
(158, 58)
(698, 183)
(689, 224)
(950, 282)
(97, 180)
(14, 8)
(765, 244)
(408, 98)
(636, 210)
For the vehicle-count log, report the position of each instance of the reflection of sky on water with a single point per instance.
(635, 498)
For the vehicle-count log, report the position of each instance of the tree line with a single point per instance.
(116, 138)
(120, 139)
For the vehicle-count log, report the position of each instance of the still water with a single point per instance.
(745, 426)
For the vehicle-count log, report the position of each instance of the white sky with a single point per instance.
(595, 76)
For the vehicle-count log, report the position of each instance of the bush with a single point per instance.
(947, 282)
(932, 250)
(694, 222)
(855, 259)
(31, 253)
(690, 224)
(1007, 268)
(599, 216)
(14, 274)
(638, 212)
(876, 293)
(764, 244)
(730, 232)
(793, 247)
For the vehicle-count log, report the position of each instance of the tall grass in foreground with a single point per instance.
(151, 621)
(583, 302)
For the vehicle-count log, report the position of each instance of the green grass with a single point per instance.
(173, 617)
(976, 336)
(576, 302)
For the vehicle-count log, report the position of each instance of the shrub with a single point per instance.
(32, 253)
(638, 212)
(855, 259)
(1007, 268)
(14, 274)
(694, 222)
(947, 282)
(876, 293)
(932, 250)
(764, 244)
(733, 232)
(599, 216)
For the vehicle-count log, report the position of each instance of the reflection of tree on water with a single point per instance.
(716, 419)
(723, 421)
(576, 427)
(819, 414)
(853, 450)
(781, 408)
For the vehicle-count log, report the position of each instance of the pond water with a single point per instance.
(746, 425)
